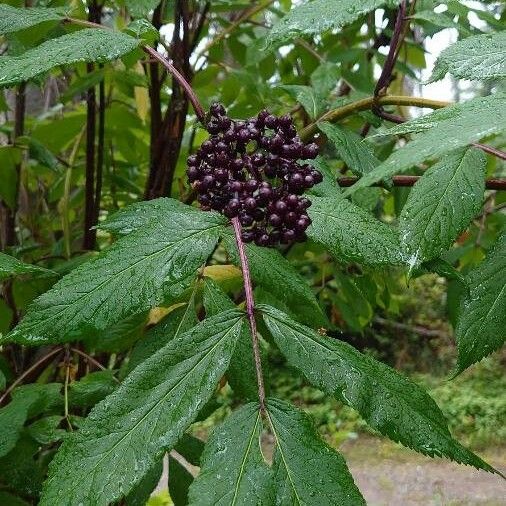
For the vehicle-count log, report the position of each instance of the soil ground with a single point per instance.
(389, 475)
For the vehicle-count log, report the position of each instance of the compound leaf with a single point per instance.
(126, 434)
(476, 57)
(233, 470)
(350, 233)
(388, 401)
(241, 374)
(306, 469)
(273, 272)
(438, 135)
(10, 266)
(87, 45)
(321, 15)
(481, 325)
(441, 205)
(125, 279)
(13, 19)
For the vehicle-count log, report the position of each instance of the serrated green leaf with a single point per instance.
(141, 493)
(477, 118)
(92, 388)
(481, 325)
(125, 435)
(388, 401)
(305, 96)
(27, 402)
(352, 234)
(281, 279)
(319, 16)
(87, 45)
(441, 205)
(191, 448)
(325, 78)
(141, 8)
(177, 322)
(13, 19)
(233, 470)
(138, 215)
(125, 279)
(10, 266)
(46, 430)
(354, 152)
(476, 57)
(306, 469)
(241, 374)
(443, 268)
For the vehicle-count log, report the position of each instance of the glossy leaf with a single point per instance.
(87, 45)
(438, 135)
(140, 8)
(387, 400)
(27, 402)
(476, 57)
(241, 374)
(306, 469)
(10, 266)
(318, 16)
(352, 234)
(13, 19)
(140, 214)
(441, 205)
(355, 153)
(481, 325)
(141, 493)
(281, 279)
(306, 97)
(233, 470)
(125, 279)
(125, 435)
(177, 322)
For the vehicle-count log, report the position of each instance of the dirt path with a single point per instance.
(391, 476)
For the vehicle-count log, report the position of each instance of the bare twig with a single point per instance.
(29, 371)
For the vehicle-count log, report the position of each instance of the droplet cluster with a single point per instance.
(254, 170)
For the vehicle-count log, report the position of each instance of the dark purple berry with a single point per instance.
(275, 220)
(192, 173)
(248, 235)
(310, 151)
(217, 109)
(250, 203)
(246, 219)
(271, 121)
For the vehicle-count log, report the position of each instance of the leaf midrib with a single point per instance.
(129, 433)
(117, 275)
(379, 379)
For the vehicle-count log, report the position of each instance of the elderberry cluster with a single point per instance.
(250, 170)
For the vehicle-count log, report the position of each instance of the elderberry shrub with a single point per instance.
(252, 170)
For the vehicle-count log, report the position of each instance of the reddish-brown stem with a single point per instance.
(388, 67)
(250, 310)
(192, 97)
(28, 371)
(490, 184)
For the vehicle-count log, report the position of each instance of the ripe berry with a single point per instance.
(230, 174)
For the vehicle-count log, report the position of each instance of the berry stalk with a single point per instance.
(250, 310)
